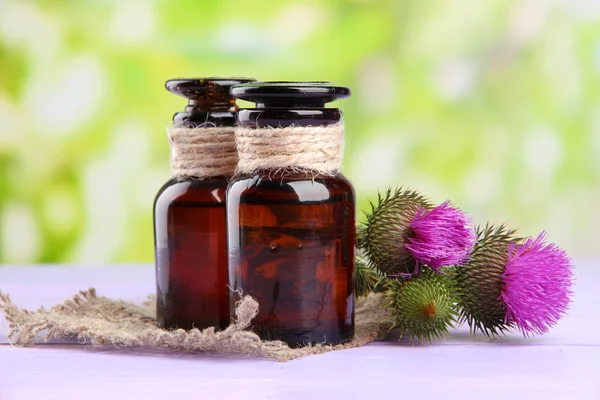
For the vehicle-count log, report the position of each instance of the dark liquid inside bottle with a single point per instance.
(293, 251)
(190, 227)
(191, 254)
(292, 234)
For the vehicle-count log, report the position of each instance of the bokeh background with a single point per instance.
(493, 104)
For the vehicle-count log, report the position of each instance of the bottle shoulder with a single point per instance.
(268, 186)
(209, 190)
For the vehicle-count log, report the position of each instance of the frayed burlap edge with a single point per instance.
(101, 321)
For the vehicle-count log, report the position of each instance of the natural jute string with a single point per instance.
(314, 148)
(102, 321)
(202, 152)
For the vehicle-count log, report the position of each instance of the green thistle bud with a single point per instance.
(368, 278)
(423, 307)
(479, 282)
(365, 277)
(385, 232)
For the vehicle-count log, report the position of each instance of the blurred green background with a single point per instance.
(493, 104)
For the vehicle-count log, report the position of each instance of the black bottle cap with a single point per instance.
(206, 94)
(289, 94)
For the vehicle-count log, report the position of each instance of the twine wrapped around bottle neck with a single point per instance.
(311, 148)
(202, 152)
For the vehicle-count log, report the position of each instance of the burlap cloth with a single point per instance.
(101, 321)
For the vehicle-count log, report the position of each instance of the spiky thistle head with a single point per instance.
(422, 307)
(386, 230)
(536, 286)
(479, 282)
(441, 236)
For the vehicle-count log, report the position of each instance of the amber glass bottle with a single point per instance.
(292, 234)
(190, 237)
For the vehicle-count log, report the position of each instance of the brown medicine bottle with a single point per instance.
(291, 231)
(190, 237)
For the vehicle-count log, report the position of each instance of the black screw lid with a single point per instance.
(206, 94)
(289, 94)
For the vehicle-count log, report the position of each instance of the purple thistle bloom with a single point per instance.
(536, 285)
(441, 236)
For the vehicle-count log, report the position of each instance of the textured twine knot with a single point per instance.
(312, 148)
(202, 152)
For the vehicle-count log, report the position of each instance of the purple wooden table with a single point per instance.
(563, 364)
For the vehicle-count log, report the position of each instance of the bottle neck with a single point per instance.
(209, 104)
(204, 119)
(309, 141)
(283, 117)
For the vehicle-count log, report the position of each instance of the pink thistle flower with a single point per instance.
(536, 285)
(441, 236)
